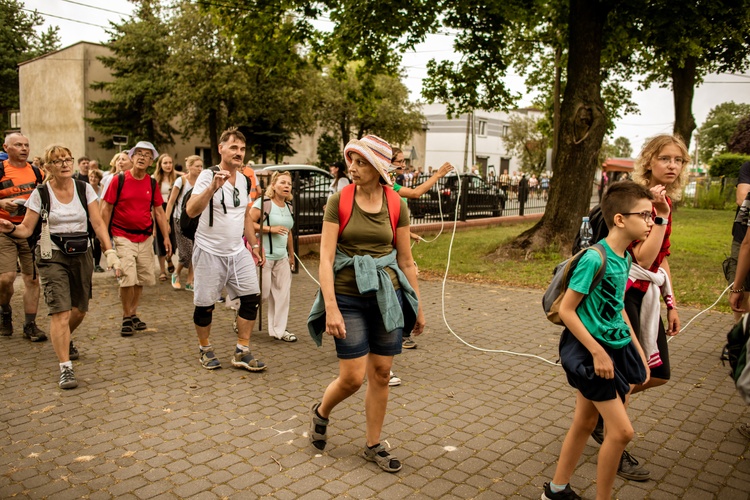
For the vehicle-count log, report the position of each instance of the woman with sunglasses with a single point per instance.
(63, 256)
(661, 167)
(279, 251)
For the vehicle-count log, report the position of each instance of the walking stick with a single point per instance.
(260, 277)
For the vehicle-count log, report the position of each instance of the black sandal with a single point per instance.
(127, 327)
(138, 324)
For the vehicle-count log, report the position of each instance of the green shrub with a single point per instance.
(727, 165)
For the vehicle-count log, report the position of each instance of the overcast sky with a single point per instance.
(88, 23)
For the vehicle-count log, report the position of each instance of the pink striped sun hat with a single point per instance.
(375, 150)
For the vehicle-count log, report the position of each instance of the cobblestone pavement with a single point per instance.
(148, 422)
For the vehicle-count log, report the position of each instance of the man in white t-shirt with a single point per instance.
(220, 258)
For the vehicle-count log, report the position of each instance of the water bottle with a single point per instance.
(585, 234)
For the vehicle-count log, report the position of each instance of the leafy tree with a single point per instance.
(329, 151)
(623, 147)
(685, 41)
(19, 42)
(727, 165)
(721, 123)
(526, 141)
(740, 141)
(270, 40)
(354, 101)
(140, 51)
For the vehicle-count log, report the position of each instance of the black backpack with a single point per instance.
(598, 229)
(189, 225)
(735, 350)
(43, 190)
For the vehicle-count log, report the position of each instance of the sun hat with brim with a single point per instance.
(375, 150)
(143, 145)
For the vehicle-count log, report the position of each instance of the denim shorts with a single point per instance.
(365, 331)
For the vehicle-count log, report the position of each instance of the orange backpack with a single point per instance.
(346, 206)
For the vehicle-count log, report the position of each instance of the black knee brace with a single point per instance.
(249, 307)
(202, 316)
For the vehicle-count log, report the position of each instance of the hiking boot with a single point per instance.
(33, 333)
(318, 428)
(394, 380)
(6, 325)
(98, 269)
(630, 468)
(73, 352)
(380, 456)
(598, 432)
(566, 494)
(744, 429)
(244, 359)
(68, 379)
(209, 360)
(408, 343)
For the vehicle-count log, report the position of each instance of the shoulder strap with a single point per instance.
(44, 197)
(37, 172)
(81, 190)
(153, 190)
(2, 170)
(602, 268)
(346, 206)
(120, 182)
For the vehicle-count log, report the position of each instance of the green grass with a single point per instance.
(701, 240)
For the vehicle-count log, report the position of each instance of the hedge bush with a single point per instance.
(727, 165)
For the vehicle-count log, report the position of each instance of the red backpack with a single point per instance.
(346, 206)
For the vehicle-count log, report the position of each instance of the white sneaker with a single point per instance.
(394, 381)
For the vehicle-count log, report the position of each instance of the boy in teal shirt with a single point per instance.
(599, 352)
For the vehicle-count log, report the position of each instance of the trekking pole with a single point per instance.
(260, 276)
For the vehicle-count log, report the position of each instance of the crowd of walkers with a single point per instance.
(229, 237)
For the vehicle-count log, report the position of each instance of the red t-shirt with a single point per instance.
(663, 251)
(133, 210)
(17, 183)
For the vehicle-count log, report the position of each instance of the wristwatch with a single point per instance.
(660, 221)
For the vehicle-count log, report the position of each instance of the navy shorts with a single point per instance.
(365, 331)
(579, 368)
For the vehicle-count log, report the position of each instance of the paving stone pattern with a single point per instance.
(148, 422)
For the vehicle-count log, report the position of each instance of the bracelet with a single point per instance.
(12, 230)
(256, 246)
(738, 290)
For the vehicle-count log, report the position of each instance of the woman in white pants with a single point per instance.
(277, 271)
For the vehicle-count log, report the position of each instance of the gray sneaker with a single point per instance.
(744, 429)
(6, 324)
(73, 353)
(408, 343)
(244, 359)
(209, 360)
(68, 379)
(318, 428)
(630, 468)
(380, 456)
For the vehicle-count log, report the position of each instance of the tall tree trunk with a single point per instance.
(582, 127)
(213, 136)
(683, 89)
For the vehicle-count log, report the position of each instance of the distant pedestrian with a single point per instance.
(165, 176)
(182, 185)
(130, 206)
(83, 169)
(340, 179)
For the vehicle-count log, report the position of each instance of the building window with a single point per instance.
(506, 129)
(15, 119)
(482, 128)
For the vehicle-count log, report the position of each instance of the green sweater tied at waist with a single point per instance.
(371, 276)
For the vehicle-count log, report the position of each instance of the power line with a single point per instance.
(95, 7)
(65, 18)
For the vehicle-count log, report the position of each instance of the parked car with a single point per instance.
(310, 189)
(482, 198)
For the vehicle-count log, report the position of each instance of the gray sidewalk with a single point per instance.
(148, 422)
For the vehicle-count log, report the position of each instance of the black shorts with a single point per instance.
(579, 368)
(633, 300)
